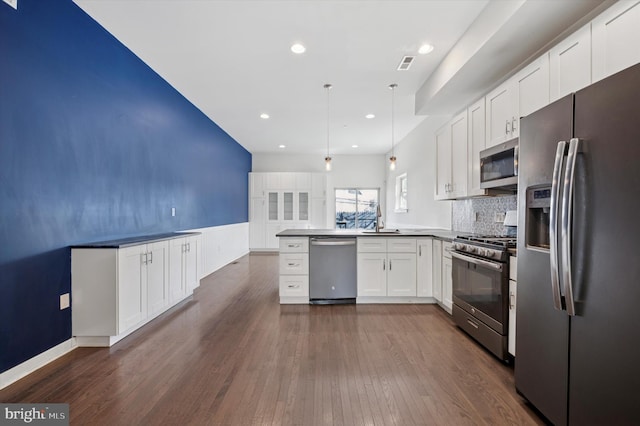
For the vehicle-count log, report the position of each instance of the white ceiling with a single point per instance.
(232, 60)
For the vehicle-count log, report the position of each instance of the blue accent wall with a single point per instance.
(94, 145)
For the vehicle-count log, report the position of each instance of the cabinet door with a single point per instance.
(274, 206)
(532, 90)
(190, 264)
(318, 185)
(424, 268)
(500, 111)
(570, 64)
(256, 185)
(318, 212)
(437, 270)
(303, 206)
(475, 144)
(372, 274)
(443, 163)
(132, 303)
(401, 275)
(459, 155)
(288, 205)
(447, 283)
(157, 277)
(270, 239)
(512, 317)
(256, 223)
(177, 290)
(615, 39)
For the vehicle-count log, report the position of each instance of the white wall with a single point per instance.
(416, 155)
(348, 171)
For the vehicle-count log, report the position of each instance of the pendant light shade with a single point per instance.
(327, 159)
(392, 159)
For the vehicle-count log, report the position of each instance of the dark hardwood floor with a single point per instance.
(233, 356)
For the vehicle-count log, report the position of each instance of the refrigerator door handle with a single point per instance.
(566, 236)
(553, 226)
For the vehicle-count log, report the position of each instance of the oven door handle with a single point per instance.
(492, 265)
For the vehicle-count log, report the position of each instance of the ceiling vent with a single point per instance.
(405, 63)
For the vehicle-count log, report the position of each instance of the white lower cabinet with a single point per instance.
(183, 267)
(447, 277)
(437, 270)
(294, 270)
(386, 267)
(424, 267)
(116, 290)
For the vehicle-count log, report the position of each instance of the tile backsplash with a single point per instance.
(477, 215)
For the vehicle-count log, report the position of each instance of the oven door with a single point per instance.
(480, 287)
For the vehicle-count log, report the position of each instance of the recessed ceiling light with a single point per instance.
(354, 146)
(282, 146)
(264, 116)
(370, 116)
(425, 48)
(298, 48)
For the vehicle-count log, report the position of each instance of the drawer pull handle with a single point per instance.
(293, 245)
(294, 286)
(473, 324)
(293, 264)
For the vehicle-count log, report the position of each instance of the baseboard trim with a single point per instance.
(29, 366)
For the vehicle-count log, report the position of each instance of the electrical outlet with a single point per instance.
(12, 3)
(64, 301)
(173, 211)
(476, 216)
(499, 216)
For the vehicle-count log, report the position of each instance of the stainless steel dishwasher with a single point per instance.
(332, 270)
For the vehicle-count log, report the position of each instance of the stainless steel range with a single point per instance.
(481, 289)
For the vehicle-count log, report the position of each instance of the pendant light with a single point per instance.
(327, 159)
(392, 159)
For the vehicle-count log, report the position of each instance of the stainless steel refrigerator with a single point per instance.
(578, 317)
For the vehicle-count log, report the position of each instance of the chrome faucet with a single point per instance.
(378, 220)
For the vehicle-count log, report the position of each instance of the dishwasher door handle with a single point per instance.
(333, 243)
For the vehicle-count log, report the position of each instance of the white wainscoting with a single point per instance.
(221, 245)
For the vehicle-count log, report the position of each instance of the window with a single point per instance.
(356, 208)
(401, 194)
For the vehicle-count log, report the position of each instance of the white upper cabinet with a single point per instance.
(532, 89)
(570, 64)
(459, 155)
(616, 34)
(443, 163)
(475, 144)
(501, 113)
(451, 146)
(256, 185)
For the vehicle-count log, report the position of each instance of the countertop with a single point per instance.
(134, 241)
(443, 234)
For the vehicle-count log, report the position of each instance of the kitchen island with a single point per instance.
(393, 266)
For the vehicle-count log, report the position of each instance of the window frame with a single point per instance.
(401, 195)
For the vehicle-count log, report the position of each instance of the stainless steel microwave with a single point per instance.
(499, 166)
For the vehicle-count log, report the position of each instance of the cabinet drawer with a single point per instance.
(372, 245)
(294, 245)
(294, 285)
(401, 245)
(446, 249)
(513, 268)
(294, 264)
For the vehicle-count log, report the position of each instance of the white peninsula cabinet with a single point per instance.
(294, 270)
(386, 267)
(118, 286)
